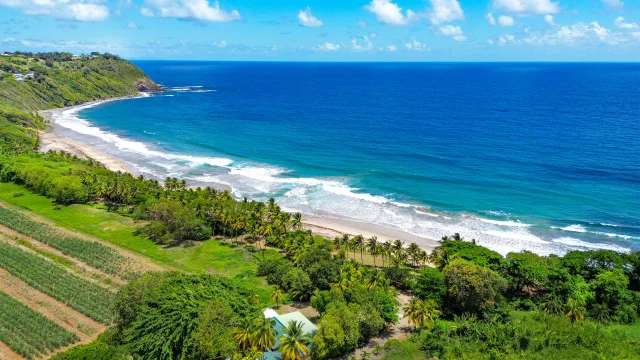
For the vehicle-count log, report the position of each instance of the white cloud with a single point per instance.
(576, 34)
(373, 35)
(613, 4)
(491, 19)
(78, 10)
(327, 46)
(368, 46)
(549, 19)
(619, 22)
(274, 48)
(132, 25)
(443, 11)
(306, 18)
(361, 24)
(391, 14)
(190, 10)
(527, 7)
(490, 42)
(392, 48)
(454, 31)
(221, 44)
(507, 38)
(146, 12)
(415, 45)
(506, 20)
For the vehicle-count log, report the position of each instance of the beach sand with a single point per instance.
(328, 227)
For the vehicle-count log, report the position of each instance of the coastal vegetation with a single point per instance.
(226, 259)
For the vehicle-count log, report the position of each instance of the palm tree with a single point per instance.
(552, 307)
(373, 248)
(600, 314)
(386, 250)
(421, 313)
(575, 311)
(413, 251)
(296, 221)
(377, 279)
(254, 299)
(293, 342)
(242, 335)
(358, 244)
(264, 335)
(397, 247)
(277, 295)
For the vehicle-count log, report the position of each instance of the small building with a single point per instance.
(6, 54)
(18, 77)
(30, 75)
(282, 321)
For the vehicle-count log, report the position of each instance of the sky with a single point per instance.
(328, 30)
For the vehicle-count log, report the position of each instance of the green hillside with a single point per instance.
(59, 80)
(53, 80)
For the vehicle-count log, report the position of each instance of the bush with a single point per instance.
(429, 284)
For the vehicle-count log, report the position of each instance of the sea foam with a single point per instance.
(335, 196)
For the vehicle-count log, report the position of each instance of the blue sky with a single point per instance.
(328, 30)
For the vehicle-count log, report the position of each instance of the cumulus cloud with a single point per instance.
(576, 34)
(221, 44)
(613, 4)
(361, 24)
(619, 22)
(506, 20)
(78, 10)
(549, 19)
(507, 38)
(491, 19)
(490, 42)
(189, 10)
(132, 25)
(368, 46)
(527, 7)
(443, 11)
(389, 13)
(454, 32)
(306, 18)
(327, 46)
(392, 48)
(415, 45)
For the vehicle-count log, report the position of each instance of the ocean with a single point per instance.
(542, 157)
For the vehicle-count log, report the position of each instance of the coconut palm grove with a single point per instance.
(156, 269)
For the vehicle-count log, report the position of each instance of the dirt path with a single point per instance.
(138, 262)
(70, 319)
(80, 266)
(7, 354)
(398, 332)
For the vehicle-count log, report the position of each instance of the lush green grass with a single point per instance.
(211, 256)
(60, 260)
(402, 350)
(29, 333)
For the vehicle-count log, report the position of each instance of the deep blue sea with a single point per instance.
(541, 157)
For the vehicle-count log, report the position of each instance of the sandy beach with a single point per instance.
(328, 227)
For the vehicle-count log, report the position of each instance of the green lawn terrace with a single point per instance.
(281, 322)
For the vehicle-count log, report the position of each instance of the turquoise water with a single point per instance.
(542, 157)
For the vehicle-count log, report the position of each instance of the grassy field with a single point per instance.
(210, 256)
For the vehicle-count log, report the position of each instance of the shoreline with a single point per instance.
(325, 226)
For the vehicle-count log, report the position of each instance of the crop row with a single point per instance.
(88, 298)
(29, 333)
(91, 252)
